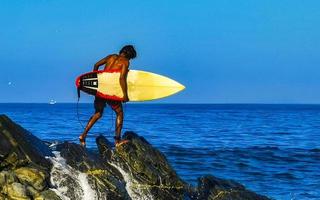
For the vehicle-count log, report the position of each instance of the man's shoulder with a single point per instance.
(124, 60)
(112, 56)
(121, 61)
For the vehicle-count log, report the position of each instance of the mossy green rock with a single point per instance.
(31, 191)
(6, 177)
(47, 195)
(32, 176)
(16, 191)
(23, 167)
(2, 197)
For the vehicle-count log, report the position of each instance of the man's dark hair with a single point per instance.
(129, 51)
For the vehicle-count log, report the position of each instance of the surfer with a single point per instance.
(112, 62)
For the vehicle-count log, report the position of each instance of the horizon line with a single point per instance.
(146, 103)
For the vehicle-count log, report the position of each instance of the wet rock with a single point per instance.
(148, 174)
(105, 148)
(16, 191)
(47, 195)
(19, 147)
(6, 177)
(67, 183)
(210, 187)
(34, 177)
(24, 170)
(104, 179)
(31, 191)
(78, 157)
(145, 168)
(108, 185)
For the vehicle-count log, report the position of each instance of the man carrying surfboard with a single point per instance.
(117, 62)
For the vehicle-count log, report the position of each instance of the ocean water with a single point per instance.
(271, 149)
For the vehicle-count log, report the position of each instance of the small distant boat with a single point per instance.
(52, 102)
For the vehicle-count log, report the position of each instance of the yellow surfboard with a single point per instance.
(142, 85)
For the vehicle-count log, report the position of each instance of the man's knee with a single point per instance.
(118, 110)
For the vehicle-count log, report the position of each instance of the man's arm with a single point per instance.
(123, 81)
(99, 63)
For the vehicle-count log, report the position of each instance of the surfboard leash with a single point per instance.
(81, 124)
(78, 113)
(124, 113)
(110, 132)
(112, 116)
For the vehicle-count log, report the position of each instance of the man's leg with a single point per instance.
(117, 108)
(119, 119)
(94, 118)
(99, 105)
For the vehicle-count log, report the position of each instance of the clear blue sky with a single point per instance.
(223, 51)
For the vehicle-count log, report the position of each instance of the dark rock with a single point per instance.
(150, 174)
(24, 170)
(6, 177)
(105, 179)
(210, 187)
(19, 147)
(78, 157)
(47, 195)
(105, 147)
(146, 168)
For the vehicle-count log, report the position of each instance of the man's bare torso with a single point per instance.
(116, 62)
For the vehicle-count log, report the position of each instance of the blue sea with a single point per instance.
(271, 149)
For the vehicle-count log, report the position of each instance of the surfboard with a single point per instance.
(141, 85)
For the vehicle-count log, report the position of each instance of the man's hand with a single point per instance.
(125, 99)
(99, 63)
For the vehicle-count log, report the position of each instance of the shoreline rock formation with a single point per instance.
(30, 169)
(24, 170)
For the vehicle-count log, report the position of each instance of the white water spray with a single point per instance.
(69, 182)
(134, 192)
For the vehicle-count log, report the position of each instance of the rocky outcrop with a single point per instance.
(19, 147)
(24, 170)
(29, 169)
(145, 168)
(210, 187)
(106, 180)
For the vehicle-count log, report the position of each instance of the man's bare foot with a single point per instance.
(120, 142)
(82, 141)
